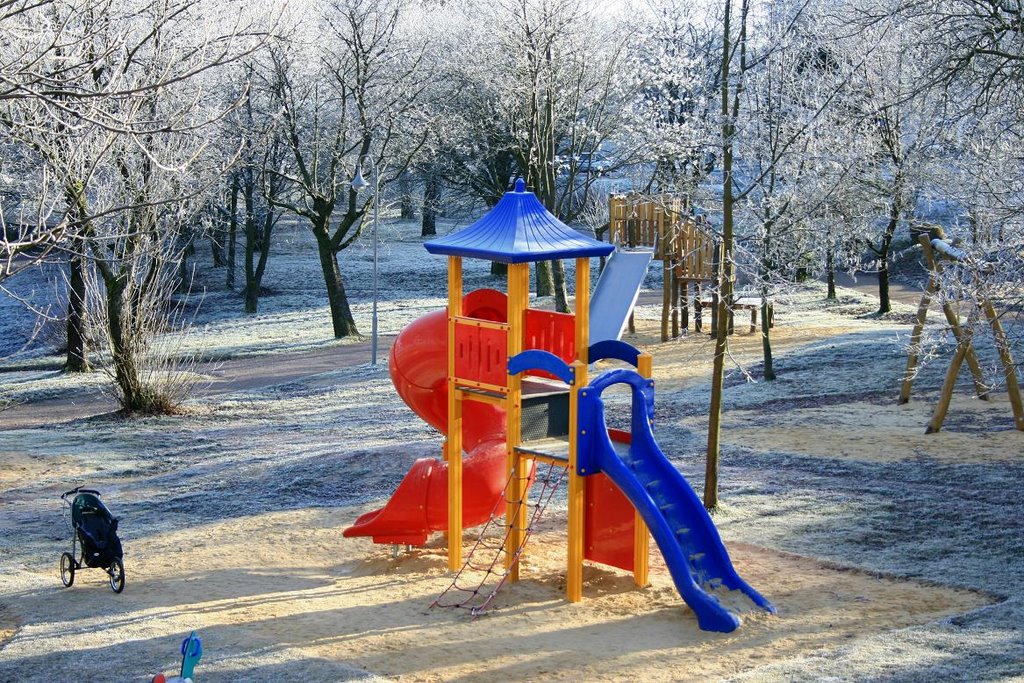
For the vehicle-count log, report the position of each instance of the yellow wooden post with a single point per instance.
(641, 535)
(946, 394)
(454, 437)
(935, 266)
(577, 486)
(515, 495)
(922, 315)
(1003, 348)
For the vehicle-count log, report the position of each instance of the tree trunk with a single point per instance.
(724, 271)
(341, 315)
(545, 279)
(884, 303)
(253, 242)
(561, 294)
(431, 196)
(184, 281)
(254, 276)
(830, 264)
(767, 269)
(232, 232)
(125, 370)
(216, 248)
(77, 355)
(766, 342)
(406, 205)
(715, 412)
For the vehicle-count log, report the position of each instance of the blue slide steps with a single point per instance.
(682, 528)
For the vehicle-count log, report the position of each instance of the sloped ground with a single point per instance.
(892, 555)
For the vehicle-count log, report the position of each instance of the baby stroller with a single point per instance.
(95, 529)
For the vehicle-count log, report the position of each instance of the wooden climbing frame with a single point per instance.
(684, 244)
(937, 252)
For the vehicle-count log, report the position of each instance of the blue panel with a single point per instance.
(536, 359)
(682, 528)
(518, 230)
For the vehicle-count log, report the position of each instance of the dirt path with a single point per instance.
(227, 376)
(868, 284)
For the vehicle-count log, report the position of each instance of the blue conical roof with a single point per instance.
(517, 230)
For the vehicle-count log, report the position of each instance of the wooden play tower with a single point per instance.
(685, 245)
(527, 362)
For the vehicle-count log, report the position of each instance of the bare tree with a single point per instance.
(350, 96)
(115, 110)
(740, 57)
(538, 85)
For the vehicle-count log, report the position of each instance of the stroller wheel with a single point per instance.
(116, 572)
(67, 569)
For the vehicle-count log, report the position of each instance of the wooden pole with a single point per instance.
(946, 395)
(454, 436)
(915, 338)
(684, 305)
(515, 507)
(641, 534)
(978, 376)
(577, 487)
(1010, 370)
(935, 269)
(698, 308)
(666, 289)
(675, 305)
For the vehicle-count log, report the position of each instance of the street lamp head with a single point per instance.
(359, 182)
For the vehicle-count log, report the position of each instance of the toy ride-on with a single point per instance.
(95, 530)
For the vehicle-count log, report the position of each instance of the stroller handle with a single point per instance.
(79, 489)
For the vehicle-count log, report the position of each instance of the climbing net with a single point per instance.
(477, 584)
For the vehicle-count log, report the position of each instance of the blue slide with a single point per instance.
(681, 526)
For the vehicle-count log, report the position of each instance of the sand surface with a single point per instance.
(285, 592)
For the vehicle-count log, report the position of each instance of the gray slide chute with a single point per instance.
(616, 293)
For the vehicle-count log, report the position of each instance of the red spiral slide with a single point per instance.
(419, 370)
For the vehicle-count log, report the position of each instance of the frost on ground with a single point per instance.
(231, 515)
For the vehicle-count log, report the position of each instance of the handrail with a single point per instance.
(620, 376)
(591, 411)
(537, 359)
(614, 349)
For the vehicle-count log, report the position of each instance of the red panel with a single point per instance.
(481, 354)
(485, 304)
(608, 529)
(553, 332)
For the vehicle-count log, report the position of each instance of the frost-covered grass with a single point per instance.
(293, 314)
(343, 438)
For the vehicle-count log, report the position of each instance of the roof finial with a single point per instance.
(520, 185)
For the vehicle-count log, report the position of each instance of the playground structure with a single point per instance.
(937, 253)
(684, 245)
(508, 385)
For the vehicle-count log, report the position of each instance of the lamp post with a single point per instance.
(358, 184)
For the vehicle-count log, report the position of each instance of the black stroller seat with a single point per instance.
(96, 531)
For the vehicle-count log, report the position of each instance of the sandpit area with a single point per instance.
(285, 593)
